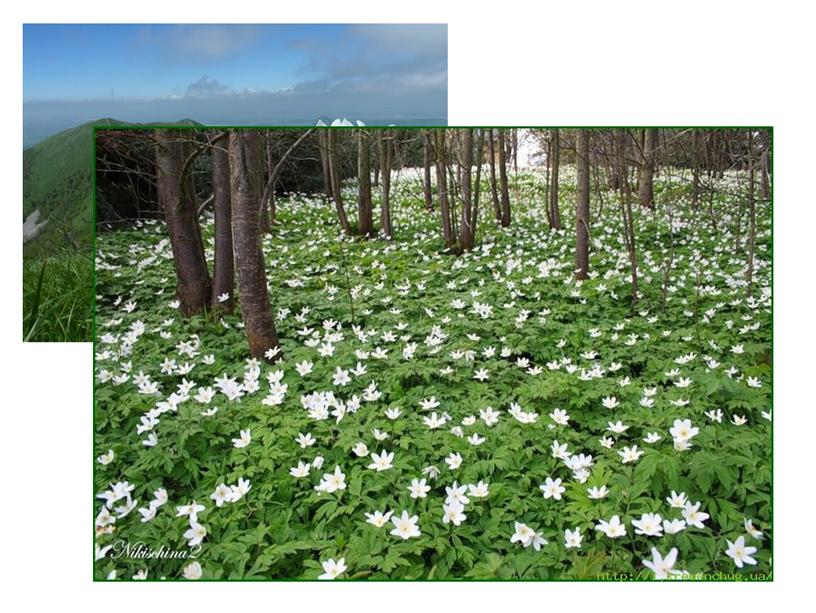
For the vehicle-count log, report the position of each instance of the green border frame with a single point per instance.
(123, 127)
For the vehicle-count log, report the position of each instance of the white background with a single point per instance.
(511, 63)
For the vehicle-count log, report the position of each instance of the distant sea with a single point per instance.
(36, 130)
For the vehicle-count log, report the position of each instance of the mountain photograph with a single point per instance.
(78, 77)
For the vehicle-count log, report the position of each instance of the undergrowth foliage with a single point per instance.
(478, 416)
(58, 298)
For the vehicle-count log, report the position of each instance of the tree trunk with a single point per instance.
(749, 275)
(224, 263)
(582, 206)
(249, 260)
(323, 146)
(193, 286)
(334, 171)
(765, 167)
(364, 207)
(465, 165)
(505, 194)
(647, 167)
(555, 215)
(426, 163)
(494, 189)
(514, 134)
(695, 169)
(442, 187)
(384, 143)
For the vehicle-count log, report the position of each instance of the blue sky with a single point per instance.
(266, 73)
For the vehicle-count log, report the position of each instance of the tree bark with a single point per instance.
(465, 164)
(555, 215)
(505, 194)
(647, 167)
(193, 285)
(582, 206)
(494, 190)
(224, 263)
(364, 207)
(334, 170)
(249, 260)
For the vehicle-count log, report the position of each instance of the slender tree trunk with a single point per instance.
(555, 215)
(465, 165)
(749, 276)
(224, 263)
(442, 187)
(364, 207)
(505, 194)
(249, 260)
(695, 169)
(474, 218)
(514, 133)
(582, 206)
(494, 189)
(384, 143)
(263, 202)
(626, 205)
(647, 167)
(765, 167)
(334, 171)
(274, 170)
(323, 146)
(376, 163)
(193, 287)
(426, 163)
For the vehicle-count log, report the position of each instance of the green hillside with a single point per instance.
(58, 259)
(57, 183)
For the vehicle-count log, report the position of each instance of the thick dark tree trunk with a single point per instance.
(494, 189)
(249, 260)
(384, 144)
(224, 262)
(582, 206)
(505, 194)
(555, 215)
(426, 166)
(365, 215)
(336, 180)
(193, 287)
(647, 167)
(442, 187)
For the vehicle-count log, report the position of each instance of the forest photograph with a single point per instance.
(465, 353)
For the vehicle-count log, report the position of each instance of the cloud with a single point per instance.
(193, 43)
(207, 87)
(399, 52)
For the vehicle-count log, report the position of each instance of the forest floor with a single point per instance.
(439, 416)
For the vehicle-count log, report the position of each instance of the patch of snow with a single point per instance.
(31, 226)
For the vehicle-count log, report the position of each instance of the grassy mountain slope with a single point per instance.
(58, 260)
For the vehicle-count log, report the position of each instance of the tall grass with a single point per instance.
(58, 298)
